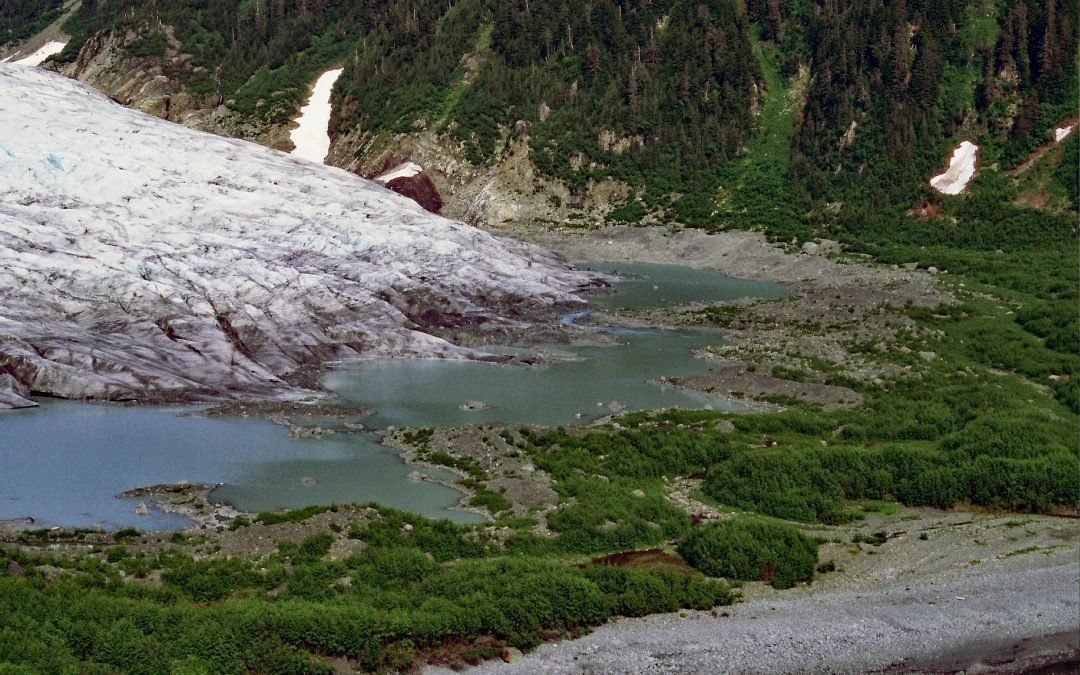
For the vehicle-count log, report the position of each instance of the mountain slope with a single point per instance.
(142, 260)
(560, 111)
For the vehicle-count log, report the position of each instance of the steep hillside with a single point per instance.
(142, 260)
(559, 111)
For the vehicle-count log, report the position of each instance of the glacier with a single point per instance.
(140, 260)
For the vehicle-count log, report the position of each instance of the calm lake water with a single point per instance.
(652, 285)
(63, 463)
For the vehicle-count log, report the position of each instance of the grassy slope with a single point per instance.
(754, 187)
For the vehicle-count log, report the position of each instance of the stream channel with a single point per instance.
(63, 462)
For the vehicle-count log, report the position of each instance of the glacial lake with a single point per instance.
(64, 462)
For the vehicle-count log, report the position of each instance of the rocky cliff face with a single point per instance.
(508, 190)
(142, 260)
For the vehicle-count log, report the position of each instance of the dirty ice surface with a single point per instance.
(143, 260)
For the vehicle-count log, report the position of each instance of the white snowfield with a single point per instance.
(35, 59)
(143, 260)
(311, 137)
(1061, 133)
(961, 170)
(406, 170)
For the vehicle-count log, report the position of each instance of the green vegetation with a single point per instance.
(299, 515)
(717, 113)
(753, 189)
(961, 431)
(752, 549)
(21, 19)
(297, 609)
(494, 502)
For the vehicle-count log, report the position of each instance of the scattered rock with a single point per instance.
(50, 572)
(810, 248)
(511, 654)
(142, 509)
(471, 406)
(309, 432)
(725, 426)
(640, 494)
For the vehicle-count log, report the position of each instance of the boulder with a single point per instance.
(470, 406)
(511, 654)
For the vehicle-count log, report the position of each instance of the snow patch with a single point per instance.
(40, 55)
(311, 137)
(961, 170)
(1062, 133)
(406, 170)
(141, 259)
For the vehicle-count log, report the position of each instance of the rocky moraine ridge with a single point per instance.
(140, 260)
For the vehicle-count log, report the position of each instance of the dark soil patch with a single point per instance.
(652, 558)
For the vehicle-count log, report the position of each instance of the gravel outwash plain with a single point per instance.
(981, 594)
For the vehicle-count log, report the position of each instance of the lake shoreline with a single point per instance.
(952, 605)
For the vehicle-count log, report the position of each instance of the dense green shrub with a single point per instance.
(751, 549)
(20, 19)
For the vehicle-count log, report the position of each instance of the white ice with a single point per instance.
(406, 170)
(311, 136)
(40, 55)
(141, 259)
(961, 170)
(1062, 133)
